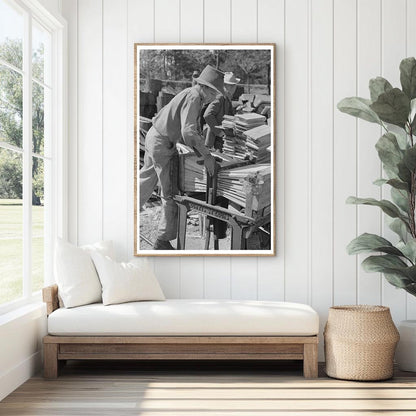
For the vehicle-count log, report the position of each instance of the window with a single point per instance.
(31, 142)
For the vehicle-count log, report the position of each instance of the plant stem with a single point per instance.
(412, 196)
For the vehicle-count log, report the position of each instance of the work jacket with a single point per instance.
(178, 120)
(214, 115)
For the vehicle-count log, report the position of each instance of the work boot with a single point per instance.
(162, 245)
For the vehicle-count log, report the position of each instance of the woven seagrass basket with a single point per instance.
(360, 341)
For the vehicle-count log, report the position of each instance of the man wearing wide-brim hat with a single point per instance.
(214, 113)
(176, 122)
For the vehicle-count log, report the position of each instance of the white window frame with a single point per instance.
(58, 211)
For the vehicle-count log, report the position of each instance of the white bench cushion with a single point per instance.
(187, 317)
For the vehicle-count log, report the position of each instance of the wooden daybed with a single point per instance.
(59, 348)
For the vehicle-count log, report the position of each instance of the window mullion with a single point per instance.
(27, 157)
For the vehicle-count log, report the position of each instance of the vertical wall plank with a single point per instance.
(140, 30)
(167, 271)
(393, 51)
(345, 151)
(321, 166)
(167, 29)
(369, 168)
(192, 31)
(244, 29)
(192, 278)
(217, 29)
(217, 278)
(192, 21)
(411, 51)
(244, 21)
(244, 278)
(70, 12)
(115, 52)
(217, 21)
(411, 28)
(271, 29)
(90, 128)
(296, 152)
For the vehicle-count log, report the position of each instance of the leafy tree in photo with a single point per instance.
(252, 66)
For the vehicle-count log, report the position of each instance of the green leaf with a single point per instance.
(398, 184)
(411, 289)
(396, 271)
(359, 107)
(378, 86)
(404, 173)
(388, 207)
(400, 228)
(390, 173)
(380, 182)
(410, 272)
(400, 198)
(408, 77)
(401, 137)
(410, 158)
(389, 151)
(366, 243)
(395, 183)
(392, 107)
(408, 249)
(397, 280)
(381, 263)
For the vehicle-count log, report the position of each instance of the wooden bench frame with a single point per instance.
(58, 349)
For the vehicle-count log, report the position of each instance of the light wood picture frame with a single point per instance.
(221, 97)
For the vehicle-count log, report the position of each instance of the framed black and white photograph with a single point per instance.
(204, 120)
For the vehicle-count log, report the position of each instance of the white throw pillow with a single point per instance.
(126, 282)
(75, 273)
(103, 247)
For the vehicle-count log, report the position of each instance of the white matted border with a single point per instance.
(212, 46)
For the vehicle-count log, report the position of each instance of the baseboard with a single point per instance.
(10, 380)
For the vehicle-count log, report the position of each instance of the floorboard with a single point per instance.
(206, 388)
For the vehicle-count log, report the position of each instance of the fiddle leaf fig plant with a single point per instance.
(394, 109)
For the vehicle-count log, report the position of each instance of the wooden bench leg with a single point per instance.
(50, 360)
(310, 360)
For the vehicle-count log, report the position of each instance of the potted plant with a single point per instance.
(394, 109)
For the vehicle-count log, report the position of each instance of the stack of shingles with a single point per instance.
(192, 176)
(248, 121)
(258, 141)
(239, 185)
(247, 183)
(235, 145)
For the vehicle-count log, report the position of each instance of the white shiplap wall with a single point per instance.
(326, 50)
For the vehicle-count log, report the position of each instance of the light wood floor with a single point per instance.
(222, 389)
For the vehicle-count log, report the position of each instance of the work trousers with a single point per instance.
(159, 165)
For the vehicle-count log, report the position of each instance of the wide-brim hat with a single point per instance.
(229, 78)
(213, 78)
